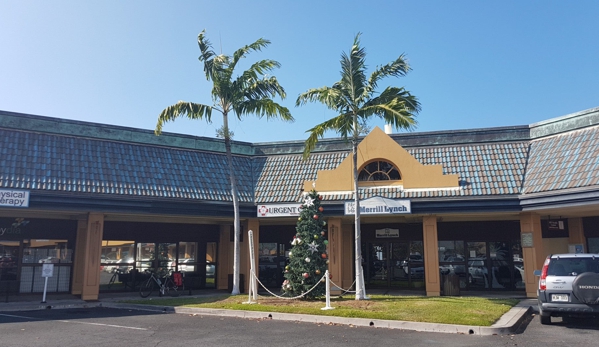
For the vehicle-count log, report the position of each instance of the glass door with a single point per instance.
(394, 264)
(399, 271)
(478, 272)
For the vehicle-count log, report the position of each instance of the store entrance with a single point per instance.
(394, 265)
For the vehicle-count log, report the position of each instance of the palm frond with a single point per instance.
(342, 124)
(243, 51)
(331, 97)
(353, 75)
(207, 54)
(263, 107)
(265, 88)
(183, 109)
(397, 68)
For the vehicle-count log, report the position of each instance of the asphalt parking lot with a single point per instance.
(101, 326)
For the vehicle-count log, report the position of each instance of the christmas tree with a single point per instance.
(308, 259)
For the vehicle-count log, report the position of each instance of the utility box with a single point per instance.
(451, 285)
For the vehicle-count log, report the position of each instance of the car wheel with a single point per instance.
(545, 320)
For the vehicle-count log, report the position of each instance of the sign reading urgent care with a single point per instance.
(379, 205)
(279, 210)
(14, 198)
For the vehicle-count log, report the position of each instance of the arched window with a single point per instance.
(379, 171)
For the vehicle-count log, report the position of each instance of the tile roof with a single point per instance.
(483, 169)
(39, 161)
(569, 160)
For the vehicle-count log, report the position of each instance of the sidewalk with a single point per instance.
(507, 324)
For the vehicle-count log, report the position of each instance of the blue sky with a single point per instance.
(475, 64)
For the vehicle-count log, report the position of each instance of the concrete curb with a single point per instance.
(507, 324)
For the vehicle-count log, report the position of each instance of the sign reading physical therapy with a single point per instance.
(279, 210)
(14, 198)
(379, 205)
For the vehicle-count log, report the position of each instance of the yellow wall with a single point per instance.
(378, 145)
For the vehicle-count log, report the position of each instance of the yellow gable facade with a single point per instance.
(380, 146)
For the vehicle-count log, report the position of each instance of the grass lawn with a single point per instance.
(452, 310)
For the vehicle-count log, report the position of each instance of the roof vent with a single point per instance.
(388, 129)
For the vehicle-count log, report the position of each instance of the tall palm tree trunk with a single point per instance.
(236, 223)
(360, 290)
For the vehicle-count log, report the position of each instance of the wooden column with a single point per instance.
(88, 248)
(532, 250)
(225, 257)
(431, 256)
(335, 250)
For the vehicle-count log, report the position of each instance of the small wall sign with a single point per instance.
(526, 240)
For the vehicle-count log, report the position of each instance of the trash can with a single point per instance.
(451, 285)
(241, 283)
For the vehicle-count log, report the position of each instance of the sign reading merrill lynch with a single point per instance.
(14, 198)
(379, 205)
(279, 210)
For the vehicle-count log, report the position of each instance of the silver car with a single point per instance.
(568, 286)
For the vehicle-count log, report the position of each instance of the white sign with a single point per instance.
(379, 205)
(279, 210)
(384, 233)
(14, 198)
(47, 270)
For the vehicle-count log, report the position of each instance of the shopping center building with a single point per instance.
(104, 203)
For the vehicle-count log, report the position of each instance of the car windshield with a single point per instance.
(572, 266)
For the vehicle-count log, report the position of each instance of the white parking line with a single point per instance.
(106, 325)
(70, 321)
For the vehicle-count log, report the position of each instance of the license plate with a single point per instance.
(559, 297)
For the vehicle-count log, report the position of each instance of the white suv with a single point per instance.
(569, 286)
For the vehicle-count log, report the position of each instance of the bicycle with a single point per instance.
(165, 286)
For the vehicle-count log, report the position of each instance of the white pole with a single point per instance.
(328, 292)
(252, 292)
(45, 289)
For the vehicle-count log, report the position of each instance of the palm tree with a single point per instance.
(355, 100)
(249, 93)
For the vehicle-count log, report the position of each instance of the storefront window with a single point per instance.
(9, 251)
(452, 260)
(593, 244)
(47, 251)
(39, 251)
(188, 256)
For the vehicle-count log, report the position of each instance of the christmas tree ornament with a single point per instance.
(315, 216)
(322, 233)
(290, 254)
(326, 242)
(309, 202)
(287, 267)
(315, 237)
(307, 259)
(313, 247)
(306, 275)
(319, 197)
(327, 262)
(299, 218)
(324, 223)
(317, 272)
(323, 255)
(321, 209)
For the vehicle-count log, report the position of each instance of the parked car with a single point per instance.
(568, 286)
